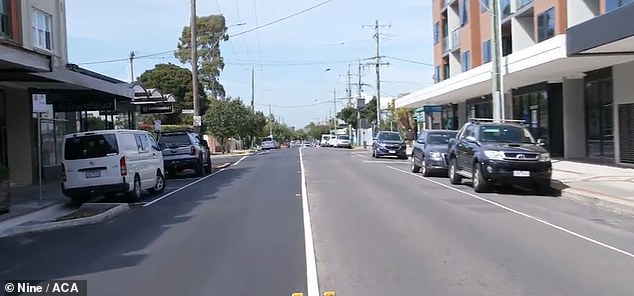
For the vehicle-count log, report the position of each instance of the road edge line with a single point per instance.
(312, 282)
(520, 213)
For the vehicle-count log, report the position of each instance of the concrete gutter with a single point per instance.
(30, 227)
(613, 204)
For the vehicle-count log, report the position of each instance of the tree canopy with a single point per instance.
(349, 115)
(211, 31)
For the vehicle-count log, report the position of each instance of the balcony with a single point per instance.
(455, 39)
(446, 45)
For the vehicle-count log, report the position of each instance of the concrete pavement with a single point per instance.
(380, 230)
(237, 232)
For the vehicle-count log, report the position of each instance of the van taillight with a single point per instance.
(192, 151)
(123, 166)
(63, 172)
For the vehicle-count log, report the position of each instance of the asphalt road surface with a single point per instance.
(376, 230)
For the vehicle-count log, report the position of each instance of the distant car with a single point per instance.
(499, 153)
(184, 150)
(332, 140)
(389, 144)
(269, 143)
(342, 141)
(110, 162)
(324, 140)
(430, 150)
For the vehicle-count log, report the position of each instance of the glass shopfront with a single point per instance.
(480, 107)
(599, 115)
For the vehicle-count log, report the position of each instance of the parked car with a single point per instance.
(499, 153)
(110, 162)
(430, 151)
(184, 150)
(324, 140)
(332, 141)
(342, 141)
(389, 144)
(269, 143)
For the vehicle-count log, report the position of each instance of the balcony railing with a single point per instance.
(455, 39)
(446, 44)
(522, 3)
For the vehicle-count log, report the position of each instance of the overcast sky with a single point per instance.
(290, 57)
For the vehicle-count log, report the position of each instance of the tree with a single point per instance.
(369, 111)
(349, 115)
(211, 30)
(315, 131)
(226, 118)
(170, 78)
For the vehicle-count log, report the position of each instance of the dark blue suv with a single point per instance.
(389, 144)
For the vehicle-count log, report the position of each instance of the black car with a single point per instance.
(430, 151)
(184, 150)
(389, 144)
(499, 153)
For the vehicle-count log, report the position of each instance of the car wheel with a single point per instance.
(159, 186)
(425, 169)
(208, 168)
(200, 169)
(453, 172)
(415, 167)
(479, 183)
(542, 188)
(135, 194)
(373, 153)
(78, 200)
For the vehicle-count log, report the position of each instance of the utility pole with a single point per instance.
(194, 62)
(132, 55)
(497, 92)
(334, 109)
(270, 122)
(252, 89)
(378, 64)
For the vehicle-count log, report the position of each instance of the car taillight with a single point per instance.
(63, 172)
(123, 166)
(192, 151)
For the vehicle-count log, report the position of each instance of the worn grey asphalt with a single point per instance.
(381, 231)
(238, 232)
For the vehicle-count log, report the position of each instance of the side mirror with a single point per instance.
(420, 142)
(204, 142)
(541, 142)
(471, 139)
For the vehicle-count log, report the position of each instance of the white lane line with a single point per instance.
(239, 160)
(312, 283)
(575, 234)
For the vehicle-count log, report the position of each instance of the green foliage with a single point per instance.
(226, 118)
(369, 111)
(170, 78)
(211, 30)
(314, 131)
(349, 115)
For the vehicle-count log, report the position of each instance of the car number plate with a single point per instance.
(93, 174)
(392, 151)
(521, 173)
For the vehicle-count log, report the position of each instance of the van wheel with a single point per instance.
(135, 194)
(78, 200)
(159, 186)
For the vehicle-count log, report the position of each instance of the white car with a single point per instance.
(324, 140)
(332, 141)
(269, 143)
(342, 141)
(110, 162)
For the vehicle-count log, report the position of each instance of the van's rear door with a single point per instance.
(92, 160)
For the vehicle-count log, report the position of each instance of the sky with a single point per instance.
(290, 57)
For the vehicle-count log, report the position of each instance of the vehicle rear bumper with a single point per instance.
(180, 164)
(96, 189)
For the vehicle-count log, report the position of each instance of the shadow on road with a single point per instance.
(115, 244)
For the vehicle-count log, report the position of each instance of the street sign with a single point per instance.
(432, 109)
(39, 103)
(157, 125)
(84, 106)
(198, 120)
(187, 111)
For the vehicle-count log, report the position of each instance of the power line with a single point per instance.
(296, 106)
(409, 61)
(126, 59)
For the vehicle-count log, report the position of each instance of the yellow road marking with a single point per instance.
(330, 293)
(297, 294)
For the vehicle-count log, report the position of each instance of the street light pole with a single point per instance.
(497, 92)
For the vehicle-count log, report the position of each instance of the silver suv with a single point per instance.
(184, 150)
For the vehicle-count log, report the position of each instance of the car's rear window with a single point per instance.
(267, 140)
(90, 146)
(343, 137)
(440, 138)
(174, 140)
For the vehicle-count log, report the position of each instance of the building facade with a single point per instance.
(568, 72)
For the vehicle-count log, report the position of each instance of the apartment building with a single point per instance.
(34, 60)
(568, 72)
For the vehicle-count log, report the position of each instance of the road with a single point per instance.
(376, 230)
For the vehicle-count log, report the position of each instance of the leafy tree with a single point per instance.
(170, 78)
(314, 131)
(211, 30)
(349, 115)
(369, 111)
(226, 118)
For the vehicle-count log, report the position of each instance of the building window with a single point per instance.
(614, 4)
(486, 51)
(42, 24)
(436, 32)
(485, 5)
(466, 61)
(464, 12)
(4, 18)
(546, 25)
(436, 73)
(506, 8)
(445, 72)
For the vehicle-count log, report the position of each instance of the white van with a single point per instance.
(110, 162)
